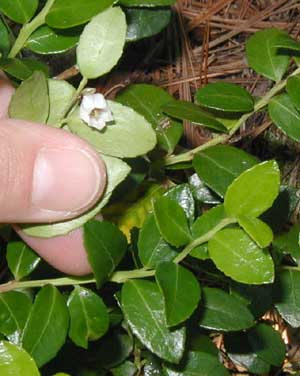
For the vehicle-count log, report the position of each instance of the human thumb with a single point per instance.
(46, 174)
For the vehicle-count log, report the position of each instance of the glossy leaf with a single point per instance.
(147, 100)
(106, 246)
(174, 281)
(101, 42)
(201, 192)
(125, 369)
(47, 326)
(4, 39)
(219, 165)
(201, 343)
(143, 23)
(19, 11)
(31, 101)
(47, 41)
(60, 96)
(15, 361)
(143, 307)
(68, 13)
(254, 191)
(172, 221)
(263, 55)
(237, 256)
(258, 230)
(152, 248)
(184, 110)
(223, 96)
(221, 311)
(286, 296)
(183, 195)
(198, 363)
(89, 317)
(128, 136)
(285, 116)
(117, 171)
(293, 89)
(14, 310)
(21, 259)
(288, 242)
(146, 3)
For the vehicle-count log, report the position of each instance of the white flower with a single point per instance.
(94, 111)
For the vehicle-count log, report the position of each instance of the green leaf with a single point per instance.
(128, 136)
(14, 310)
(143, 307)
(21, 259)
(146, 3)
(201, 343)
(263, 55)
(258, 230)
(68, 13)
(15, 361)
(201, 192)
(143, 23)
(31, 101)
(183, 195)
(16, 68)
(219, 165)
(184, 110)
(19, 11)
(174, 281)
(60, 96)
(106, 245)
(223, 96)
(288, 242)
(117, 171)
(198, 363)
(4, 39)
(152, 247)
(286, 296)
(47, 326)
(293, 89)
(101, 42)
(171, 221)
(284, 42)
(125, 369)
(47, 41)
(254, 191)
(147, 100)
(285, 116)
(221, 311)
(89, 317)
(237, 256)
(267, 344)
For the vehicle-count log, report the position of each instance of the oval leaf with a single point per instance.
(143, 307)
(263, 55)
(174, 282)
(106, 245)
(146, 3)
(15, 361)
(223, 96)
(4, 39)
(172, 221)
(89, 317)
(47, 41)
(117, 171)
(293, 89)
(219, 165)
(21, 259)
(19, 11)
(47, 326)
(285, 116)
(254, 191)
(222, 311)
(68, 13)
(101, 42)
(128, 136)
(258, 230)
(22, 68)
(31, 101)
(236, 255)
(189, 111)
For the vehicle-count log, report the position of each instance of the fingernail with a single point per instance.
(66, 180)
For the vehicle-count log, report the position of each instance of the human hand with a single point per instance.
(47, 175)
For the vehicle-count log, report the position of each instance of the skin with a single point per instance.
(21, 143)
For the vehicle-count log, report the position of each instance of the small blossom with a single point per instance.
(94, 111)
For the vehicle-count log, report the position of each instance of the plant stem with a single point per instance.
(29, 28)
(263, 102)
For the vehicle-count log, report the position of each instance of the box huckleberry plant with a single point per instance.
(177, 262)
